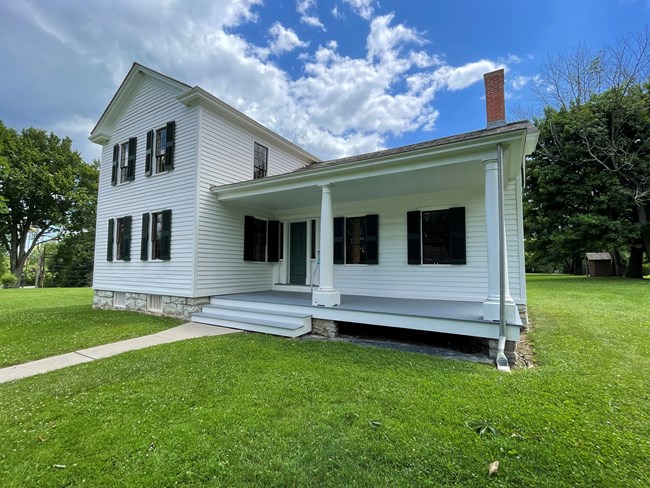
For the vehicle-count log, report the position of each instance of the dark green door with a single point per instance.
(298, 253)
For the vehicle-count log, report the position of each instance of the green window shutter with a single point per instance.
(109, 244)
(144, 241)
(169, 149)
(249, 237)
(273, 249)
(414, 239)
(457, 246)
(372, 239)
(126, 240)
(149, 157)
(130, 169)
(339, 240)
(166, 236)
(116, 160)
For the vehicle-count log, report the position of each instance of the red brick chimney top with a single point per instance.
(495, 98)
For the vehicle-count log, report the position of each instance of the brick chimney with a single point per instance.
(495, 98)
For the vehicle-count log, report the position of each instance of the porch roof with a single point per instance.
(438, 165)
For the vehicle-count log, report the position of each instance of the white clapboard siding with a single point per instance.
(152, 106)
(226, 156)
(394, 277)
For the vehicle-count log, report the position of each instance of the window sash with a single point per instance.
(355, 242)
(260, 161)
(161, 145)
(124, 161)
(156, 235)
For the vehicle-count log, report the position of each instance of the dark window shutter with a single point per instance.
(281, 243)
(414, 241)
(116, 159)
(130, 169)
(457, 236)
(109, 248)
(249, 237)
(273, 250)
(166, 236)
(339, 241)
(169, 149)
(126, 240)
(149, 157)
(372, 239)
(144, 241)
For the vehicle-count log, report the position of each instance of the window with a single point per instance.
(260, 161)
(356, 240)
(161, 145)
(124, 161)
(154, 303)
(119, 239)
(436, 236)
(262, 240)
(160, 149)
(157, 228)
(119, 299)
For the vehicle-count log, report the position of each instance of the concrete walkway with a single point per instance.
(182, 332)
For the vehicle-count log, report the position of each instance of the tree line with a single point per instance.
(588, 182)
(48, 199)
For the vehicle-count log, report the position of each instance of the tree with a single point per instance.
(600, 99)
(48, 190)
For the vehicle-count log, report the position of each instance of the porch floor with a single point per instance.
(442, 309)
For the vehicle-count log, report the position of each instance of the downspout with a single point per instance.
(502, 360)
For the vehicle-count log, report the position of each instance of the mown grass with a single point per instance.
(36, 323)
(251, 410)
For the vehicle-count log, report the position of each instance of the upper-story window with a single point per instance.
(124, 161)
(160, 149)
(260, 161)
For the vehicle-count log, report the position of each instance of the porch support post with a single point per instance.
(491, 304)
(326, 295)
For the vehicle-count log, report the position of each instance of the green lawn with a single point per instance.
(252, 410)
(36, 323)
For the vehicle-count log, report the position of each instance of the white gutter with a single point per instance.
(502, 360)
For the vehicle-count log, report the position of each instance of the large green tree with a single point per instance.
(48, 191)
(590, 176)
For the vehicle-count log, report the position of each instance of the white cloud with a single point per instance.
(337, 105)
(457, 78)
(283, 39)
(520, 81)
(363, 8)
(77, 128)
(304, 7)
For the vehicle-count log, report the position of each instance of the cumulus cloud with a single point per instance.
(304, 8)
(335, 106)
(363, 8)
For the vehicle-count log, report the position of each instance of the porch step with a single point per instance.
(257, 319)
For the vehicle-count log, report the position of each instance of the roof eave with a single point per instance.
(198, 96)
(376, 164)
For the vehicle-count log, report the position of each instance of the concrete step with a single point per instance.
(285, 324)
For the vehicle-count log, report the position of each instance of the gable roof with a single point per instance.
(100, 133)
(187, 95)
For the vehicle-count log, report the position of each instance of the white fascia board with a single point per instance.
(475, 149)
(198, 96)
(101, 132)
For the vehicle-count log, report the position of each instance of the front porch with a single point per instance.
(291, 313)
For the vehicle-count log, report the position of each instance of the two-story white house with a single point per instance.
(205, 213)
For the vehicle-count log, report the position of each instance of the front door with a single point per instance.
(298, 253)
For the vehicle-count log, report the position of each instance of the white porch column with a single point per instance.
(491, 304)
(326, 295)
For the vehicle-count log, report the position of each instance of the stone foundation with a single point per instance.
(324, 328)
(510, 349)
(523, 313)
(173, 306)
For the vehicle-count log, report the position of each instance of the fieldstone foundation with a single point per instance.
(174, 306)
(523, 313)
(510, 349)
(324, 328)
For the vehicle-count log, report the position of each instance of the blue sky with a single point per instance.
(337, 77)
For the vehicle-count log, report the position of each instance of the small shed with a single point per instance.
(599, 264)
